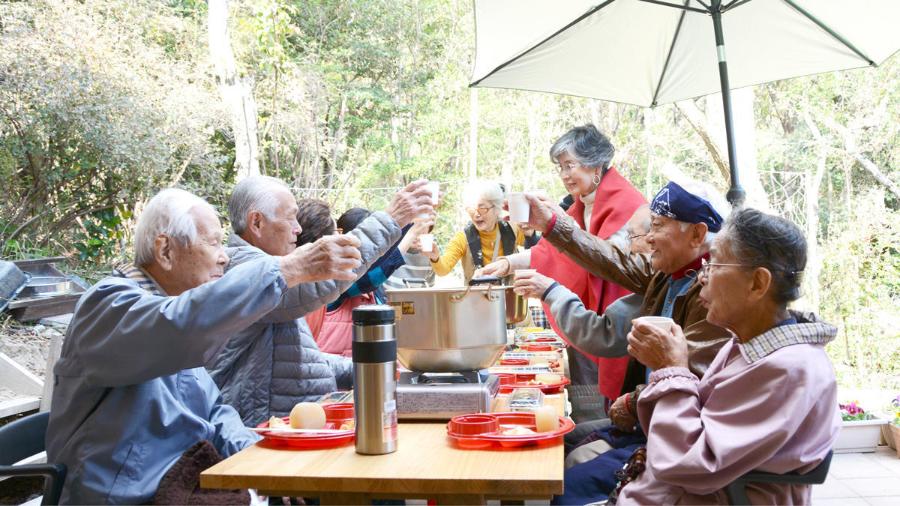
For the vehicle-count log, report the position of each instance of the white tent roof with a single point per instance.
(643, 53)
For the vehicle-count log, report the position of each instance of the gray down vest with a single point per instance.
(275, 363)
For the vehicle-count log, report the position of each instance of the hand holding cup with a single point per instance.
(657, 342)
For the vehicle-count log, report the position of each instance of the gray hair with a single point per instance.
(168, 213)
(587, 145)
(489, 191)
(763, 240)
(253, 194)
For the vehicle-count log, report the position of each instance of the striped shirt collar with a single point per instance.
(809, 330)
(140, 277)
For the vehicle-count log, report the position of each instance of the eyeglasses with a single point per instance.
(479, 210)
(706, 265)
(567, 167)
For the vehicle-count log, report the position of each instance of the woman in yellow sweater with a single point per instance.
(487, 235)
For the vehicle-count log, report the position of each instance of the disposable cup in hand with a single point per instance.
(426, 241)
(518, 207)
(434, 188)
(661, 322)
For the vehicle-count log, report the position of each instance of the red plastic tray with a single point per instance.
(514, 361)
(497, 439)
(308, 441)
(519, 381)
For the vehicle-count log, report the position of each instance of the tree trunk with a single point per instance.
(236, 92)
(813, 185)
(473, 134)
(853, 150)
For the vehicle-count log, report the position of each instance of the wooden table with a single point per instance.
(425, 466)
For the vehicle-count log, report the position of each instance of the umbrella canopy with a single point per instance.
(650, 52)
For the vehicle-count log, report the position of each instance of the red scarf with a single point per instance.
(615, 201)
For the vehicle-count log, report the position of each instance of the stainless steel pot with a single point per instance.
(450, 329)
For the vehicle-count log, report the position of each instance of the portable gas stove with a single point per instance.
(441, 396)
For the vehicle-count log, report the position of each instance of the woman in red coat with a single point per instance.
(603, 203)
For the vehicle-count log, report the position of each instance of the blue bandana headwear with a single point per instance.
(675, 202)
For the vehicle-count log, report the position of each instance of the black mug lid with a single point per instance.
(373, 314)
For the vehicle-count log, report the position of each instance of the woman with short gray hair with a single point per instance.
(604, 201)
(768, 401)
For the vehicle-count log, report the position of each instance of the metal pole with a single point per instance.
(735, 193)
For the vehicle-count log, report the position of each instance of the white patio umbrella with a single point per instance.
(650, 52)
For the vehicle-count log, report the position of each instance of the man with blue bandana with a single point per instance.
(682, 225)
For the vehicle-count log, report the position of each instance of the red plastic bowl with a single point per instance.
(473, 425)
(338, 411)
(498, 440)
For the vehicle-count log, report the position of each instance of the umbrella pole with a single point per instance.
(736, 192)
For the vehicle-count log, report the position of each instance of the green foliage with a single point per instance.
(103, 103)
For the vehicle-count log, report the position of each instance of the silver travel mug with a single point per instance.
(375, 379)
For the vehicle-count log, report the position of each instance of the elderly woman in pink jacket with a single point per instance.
(768, 401)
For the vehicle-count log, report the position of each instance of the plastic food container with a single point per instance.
(502, 438)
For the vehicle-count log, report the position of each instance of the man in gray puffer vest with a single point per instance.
(275, 363)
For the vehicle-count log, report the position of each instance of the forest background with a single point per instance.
(102, 103)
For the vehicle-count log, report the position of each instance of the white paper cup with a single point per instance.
(660, 322)
(518, 207)
(426, 241)
(434, 187)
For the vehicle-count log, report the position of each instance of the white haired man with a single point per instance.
(131, 394)
(271, 365)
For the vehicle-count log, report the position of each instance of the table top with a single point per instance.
(424, 463)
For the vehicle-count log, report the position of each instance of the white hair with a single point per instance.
(710, 194)
(487, 191)
(253, 194)
(167, 213)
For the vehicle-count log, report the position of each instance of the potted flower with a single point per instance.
(860, 430)
(891, 431)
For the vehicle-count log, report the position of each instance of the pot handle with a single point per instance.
(484, 280)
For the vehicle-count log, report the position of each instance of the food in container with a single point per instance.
(307, 415)
(508, 430)
(545, 419)
(526, 399)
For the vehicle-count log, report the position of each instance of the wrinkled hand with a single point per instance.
(410, 202)
(657, 348)
(531, 284)
(541, 210)
(620, 417)
(331, 257)
(499, 268)
(410, 241)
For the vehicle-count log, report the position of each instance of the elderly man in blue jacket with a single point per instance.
(131, 394)
(271, 365)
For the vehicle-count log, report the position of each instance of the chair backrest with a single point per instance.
(23, 438)
(736, 490)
